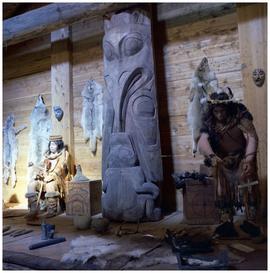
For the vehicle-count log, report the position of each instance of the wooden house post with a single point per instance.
(252, 28)
(61, 85)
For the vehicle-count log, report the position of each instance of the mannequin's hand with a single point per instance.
(248, 169)
(47, 164)
(212, 160)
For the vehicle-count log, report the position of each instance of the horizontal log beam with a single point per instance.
(182, 13)
(34, 262)
(52, 17)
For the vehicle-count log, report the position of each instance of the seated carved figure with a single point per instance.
(47, 191)
(127, 195)
(229, 143)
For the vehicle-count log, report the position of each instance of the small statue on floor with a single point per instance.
(47, 192)
(229, 143)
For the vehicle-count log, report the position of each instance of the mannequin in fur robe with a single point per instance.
(92, 120)
(10, 150)
(204, 83)
(38, 137)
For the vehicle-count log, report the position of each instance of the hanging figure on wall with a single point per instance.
(229, 143)
(92, 113)
(131, 160)
(46, 194)
(58, 112)
(38, 137)
(204, 83)
(10, 149)
(258, 76)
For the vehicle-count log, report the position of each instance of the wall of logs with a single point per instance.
(179, 48)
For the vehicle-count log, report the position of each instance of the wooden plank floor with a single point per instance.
(64, 227)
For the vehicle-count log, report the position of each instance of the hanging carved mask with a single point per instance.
(258, 76)
(58, 112)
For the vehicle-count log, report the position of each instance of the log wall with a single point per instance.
(19, 98)
(179, 49)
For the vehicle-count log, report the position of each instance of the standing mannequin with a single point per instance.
(229, 143)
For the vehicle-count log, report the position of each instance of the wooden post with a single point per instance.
(252, 27)
(61, 86)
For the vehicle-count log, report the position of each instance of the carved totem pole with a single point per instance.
(131, 164)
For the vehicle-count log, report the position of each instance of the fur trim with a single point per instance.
(101, 250)
(52, 194)
(30, 194)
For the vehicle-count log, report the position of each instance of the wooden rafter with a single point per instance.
(54, 16)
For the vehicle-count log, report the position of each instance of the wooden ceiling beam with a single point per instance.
(52, 17)
(183, 13)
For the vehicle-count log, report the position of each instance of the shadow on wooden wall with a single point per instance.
(168, 192)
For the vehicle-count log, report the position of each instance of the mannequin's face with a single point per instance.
(53, 147)
(220, 113)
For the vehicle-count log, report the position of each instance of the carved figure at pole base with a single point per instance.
(131, 161)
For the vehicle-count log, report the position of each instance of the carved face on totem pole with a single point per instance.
(131, 132)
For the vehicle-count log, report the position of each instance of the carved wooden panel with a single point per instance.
(84, 198)
(199, 202)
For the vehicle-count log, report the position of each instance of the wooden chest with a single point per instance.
(84, 198)
(199, 202)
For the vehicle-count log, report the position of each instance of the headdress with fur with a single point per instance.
(224, 96)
